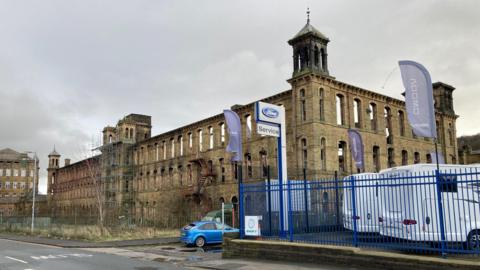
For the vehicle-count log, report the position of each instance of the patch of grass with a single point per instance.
(93, 232)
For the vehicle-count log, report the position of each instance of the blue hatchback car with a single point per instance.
(200, 233)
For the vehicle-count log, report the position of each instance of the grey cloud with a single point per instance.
(68, 68)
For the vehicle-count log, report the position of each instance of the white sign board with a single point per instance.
(268, 130)
(252, 227)
(270, 113)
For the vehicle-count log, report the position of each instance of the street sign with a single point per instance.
(268, 130)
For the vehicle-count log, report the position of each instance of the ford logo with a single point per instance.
(270, 112)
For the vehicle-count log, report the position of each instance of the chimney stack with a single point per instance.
(67, 161)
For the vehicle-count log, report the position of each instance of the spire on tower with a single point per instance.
(308, 15)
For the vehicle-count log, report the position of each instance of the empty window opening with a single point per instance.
(342, 147)
(222, 133)
(404, 157)
(200, 140)
(391, 157)
(340, 109)
(376, 159)
(357, 113)
(401, 123)
(210, 135)
(322, 104)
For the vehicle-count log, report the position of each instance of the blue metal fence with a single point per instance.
(422, 212)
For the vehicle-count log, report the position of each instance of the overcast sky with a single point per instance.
(69, 68)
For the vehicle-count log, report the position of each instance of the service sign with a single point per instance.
(252, 226)
(268, 130)
(269, 113)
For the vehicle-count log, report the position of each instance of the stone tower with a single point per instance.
(53, 165)
(310, 70)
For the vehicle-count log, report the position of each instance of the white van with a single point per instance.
(410, 203)
(367, 203)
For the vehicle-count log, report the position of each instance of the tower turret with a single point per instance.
(53, 165)
(309, 50)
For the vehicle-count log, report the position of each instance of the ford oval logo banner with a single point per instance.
(270, 112)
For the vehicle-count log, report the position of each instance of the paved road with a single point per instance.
(24, 256)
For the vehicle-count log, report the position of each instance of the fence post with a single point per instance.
(337, 201)
(290, 217)
(440, 212)
(269, 201)
(307, 229)
(354, 214)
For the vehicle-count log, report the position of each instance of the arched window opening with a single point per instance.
(357, 113)
(391, 157)
(439, 133)
(180, 144)
(200, 140)
(210, 167)
(164, 150)
(342, 148)
(304, 153)
(404, 157)
(248, 129)
(303, 110)
(172, 142)
(131, 133)
(222, 169)
(416, 158)
(388, 125)
(222, 133)
(340, 109)
(126, 133)
(322, 104)
(316, 57)
(373, 115)
(429, 158)
(180, 175)
(210, 136)
(323, 56)
(263, 161)
(190, 140)
(451, 136)
(376, 158)
(234, 201)
(248, 161)
(401, 123)
(189, 172)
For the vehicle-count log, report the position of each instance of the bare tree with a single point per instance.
(94, 173)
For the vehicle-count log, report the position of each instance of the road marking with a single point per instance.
(18, 260)
(78, 255)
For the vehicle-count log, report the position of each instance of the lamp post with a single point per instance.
(33, 190)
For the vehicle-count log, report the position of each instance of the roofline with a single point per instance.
(217, 116)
